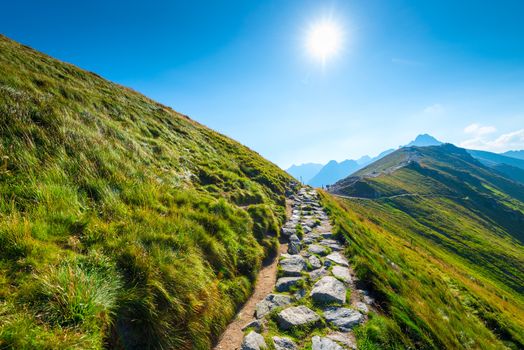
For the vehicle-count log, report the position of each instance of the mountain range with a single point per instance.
(510, 163)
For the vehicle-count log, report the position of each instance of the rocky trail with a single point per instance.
(313, 303)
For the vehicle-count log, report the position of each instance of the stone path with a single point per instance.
(314, 303)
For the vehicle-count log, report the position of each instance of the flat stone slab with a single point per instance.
(343, 318)
(284, 284)
(328, 289)
(269, 303)
(338, 258)
(342, 273)
(296, 316)
(324, 343)
(253, 341)
(281, 343)
(293, 265)
(343, 338)
(316, 274)
(317, 249)
(332, 244)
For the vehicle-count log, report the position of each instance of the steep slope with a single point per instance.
(123, 224)
(452, 228)
(332, 172)
(304, 172)
(512, 168)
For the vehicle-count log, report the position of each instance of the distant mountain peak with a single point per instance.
(424, 140)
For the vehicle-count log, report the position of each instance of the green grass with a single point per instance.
(445, 265)
(123, 224)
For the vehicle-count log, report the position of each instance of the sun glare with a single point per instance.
(324, 40)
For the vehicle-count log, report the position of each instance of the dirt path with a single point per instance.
(232, 337)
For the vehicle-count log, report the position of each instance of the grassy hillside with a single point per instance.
(123, 224)
(438, 237)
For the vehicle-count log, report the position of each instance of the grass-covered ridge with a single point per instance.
(123, 224)
(439, 240)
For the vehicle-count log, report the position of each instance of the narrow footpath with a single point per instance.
(311, 301)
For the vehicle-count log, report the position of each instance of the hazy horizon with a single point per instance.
(401, 68)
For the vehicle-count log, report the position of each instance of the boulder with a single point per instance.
(342, 273)
(281, 343)
(284, 284)
(324, 343)
(296, 316)
(337, 258)
(293, 265)
(328, 289)
(343, 318)
(314, 262)
(253, 341)
(270, 302)
(317, 249)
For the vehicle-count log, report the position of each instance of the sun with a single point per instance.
(324, 39)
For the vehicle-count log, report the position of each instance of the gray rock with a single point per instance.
(253, 341)
(317, 249)
(343, 318)
(296, 316)
(362, 307)
(294, 247)
(332, 244)
(300, 294)
(343, 338)
(286, 231)
(294, 238)
(255, 324)
(328, 289)
(284, 344)
(314, 262)
(337, 258)
(316, 274)
(270, 302)
(326, 235)
(342, 273)
(324, 343)
(284, 284)
(293, 265)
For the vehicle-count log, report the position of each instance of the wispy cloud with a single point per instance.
(406, 62)
(479, 130)
(436, 108)
(513, 140)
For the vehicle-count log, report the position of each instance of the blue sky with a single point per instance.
(454, 69)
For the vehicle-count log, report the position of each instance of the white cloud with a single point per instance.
(436, 108)
(479, 130)
(510, 141)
